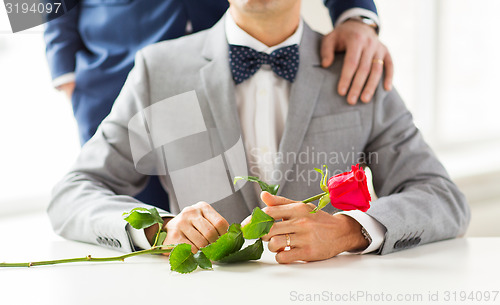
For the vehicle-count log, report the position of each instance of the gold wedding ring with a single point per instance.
(378, 61)
(288, 241)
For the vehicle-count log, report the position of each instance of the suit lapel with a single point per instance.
(218, 84)
(303, 97)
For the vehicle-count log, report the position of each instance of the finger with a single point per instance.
(195, 237)
(287, 257)
(351, 62)
(328, 50)
(279, 243)
(373, 79)
(219, 223)
(273, 200)
(177, 237)
(287, 211)
(280, 228)
(283, 212)
(389, 71)
(206, 229)
(246, 221)
(359, 80)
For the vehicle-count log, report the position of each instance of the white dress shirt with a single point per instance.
(262, 103)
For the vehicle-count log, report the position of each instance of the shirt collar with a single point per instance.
(236, 36)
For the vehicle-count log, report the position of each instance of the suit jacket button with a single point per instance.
(417, 240)
(117, 243)
(397, 244)
(99, 240)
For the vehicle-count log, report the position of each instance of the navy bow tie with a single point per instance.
(246, 61)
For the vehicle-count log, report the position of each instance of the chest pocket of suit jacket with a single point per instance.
(339, 132)
(104, 2)
(334, 122)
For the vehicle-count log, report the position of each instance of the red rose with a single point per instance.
(349, 191)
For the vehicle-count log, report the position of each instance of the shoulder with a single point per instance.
(183, 50)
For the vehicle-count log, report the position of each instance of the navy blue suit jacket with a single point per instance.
(98, 39)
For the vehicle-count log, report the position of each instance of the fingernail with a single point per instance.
(343, 91)
(353, 99)
(367, 98)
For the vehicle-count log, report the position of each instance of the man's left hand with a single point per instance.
(365, 59)
(312, 237)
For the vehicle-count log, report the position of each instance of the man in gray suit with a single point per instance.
(249, 96)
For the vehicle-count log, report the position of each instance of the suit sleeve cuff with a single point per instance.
(354, 12)
(63, 79)
(138, 237)
(372, 226)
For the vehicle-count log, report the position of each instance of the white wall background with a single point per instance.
(447, 70)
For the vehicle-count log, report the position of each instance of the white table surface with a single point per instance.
(442, 269)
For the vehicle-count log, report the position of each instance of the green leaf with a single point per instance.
(271, 188)
(226, 244)
(182, 259)
(141, 218)
(161, 238)
(252, 252)
(323, 202)
(259, 225)
(202, 260)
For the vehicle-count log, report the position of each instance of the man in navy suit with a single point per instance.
(91, 50)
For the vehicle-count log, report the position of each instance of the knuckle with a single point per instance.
(356, 35)
(302, 221)
(173, 235)
(188, 209)
(201, 204)
(280, 257)
(272, 245)
(211, 233)
(221, 223)
(369, 42)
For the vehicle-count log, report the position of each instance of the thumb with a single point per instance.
(328, 50)
(273, 200)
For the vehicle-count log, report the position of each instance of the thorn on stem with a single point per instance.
(89, 257)
(30, 264)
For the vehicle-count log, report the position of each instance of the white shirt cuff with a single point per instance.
(354, 12)
(63, 79)
(139, 239)
(372, 226)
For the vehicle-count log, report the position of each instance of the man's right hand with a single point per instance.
(68, 89)
(197, 225)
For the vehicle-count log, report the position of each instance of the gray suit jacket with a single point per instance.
(417, 201)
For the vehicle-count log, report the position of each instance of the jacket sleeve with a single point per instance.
(338, 7)
(63, 41)
(418, 203)
(85, 204)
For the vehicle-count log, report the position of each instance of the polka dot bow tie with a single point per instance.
(246, 61)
